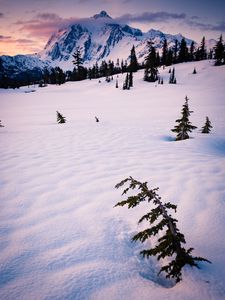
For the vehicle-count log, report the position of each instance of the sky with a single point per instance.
(26, 26)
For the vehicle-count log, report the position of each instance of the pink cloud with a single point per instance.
(44, 25)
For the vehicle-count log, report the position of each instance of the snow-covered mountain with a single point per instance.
(101, 38)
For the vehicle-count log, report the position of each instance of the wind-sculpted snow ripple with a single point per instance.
(60, 237)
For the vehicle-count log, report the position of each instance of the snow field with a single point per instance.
(60, 237)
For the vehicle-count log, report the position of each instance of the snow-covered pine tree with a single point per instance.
(207, 127)
(1, 124)
(78, 62)
(184, 125)
(170, 244)
(60, 118)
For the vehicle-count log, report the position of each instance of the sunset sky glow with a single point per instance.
(26, 26)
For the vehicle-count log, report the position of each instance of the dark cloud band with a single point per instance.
(151, 17)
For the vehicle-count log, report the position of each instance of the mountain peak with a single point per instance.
(102, 14)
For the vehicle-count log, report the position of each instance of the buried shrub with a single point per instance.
(170, 243)
(60, 118)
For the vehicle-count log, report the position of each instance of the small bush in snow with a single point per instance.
(60, 118)
(170, 244)
(207, 127)
(1, 124)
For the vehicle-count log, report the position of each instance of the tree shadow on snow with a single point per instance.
(168, 138)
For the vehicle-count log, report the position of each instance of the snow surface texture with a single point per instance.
(60, 237)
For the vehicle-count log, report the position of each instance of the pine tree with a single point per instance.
(131, 81)
(96, 119)
(126, 84)
(78, 62)
(170, 244)
(207, 127)
(202, 50)
(183, 52)
(151, 71)
(184, 125)
(175, 52)
(219, 52)
(60, 77)
(192, 51)
(172, 79)
(164, 52)
(1, 124)
(169, 57)
(117, 83)
(194, 71)
(133, 67)
(79, 72)
(60, 118)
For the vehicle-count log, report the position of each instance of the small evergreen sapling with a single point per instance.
(207, 127)
(184, 125)
(194, 71)
(170, 244)
(60, 118)
(96, 119)
(1, 124)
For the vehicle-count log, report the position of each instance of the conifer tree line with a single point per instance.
(179, 53)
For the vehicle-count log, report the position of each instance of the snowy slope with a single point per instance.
(60, 236)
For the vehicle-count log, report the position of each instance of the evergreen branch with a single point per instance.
(170, 244)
